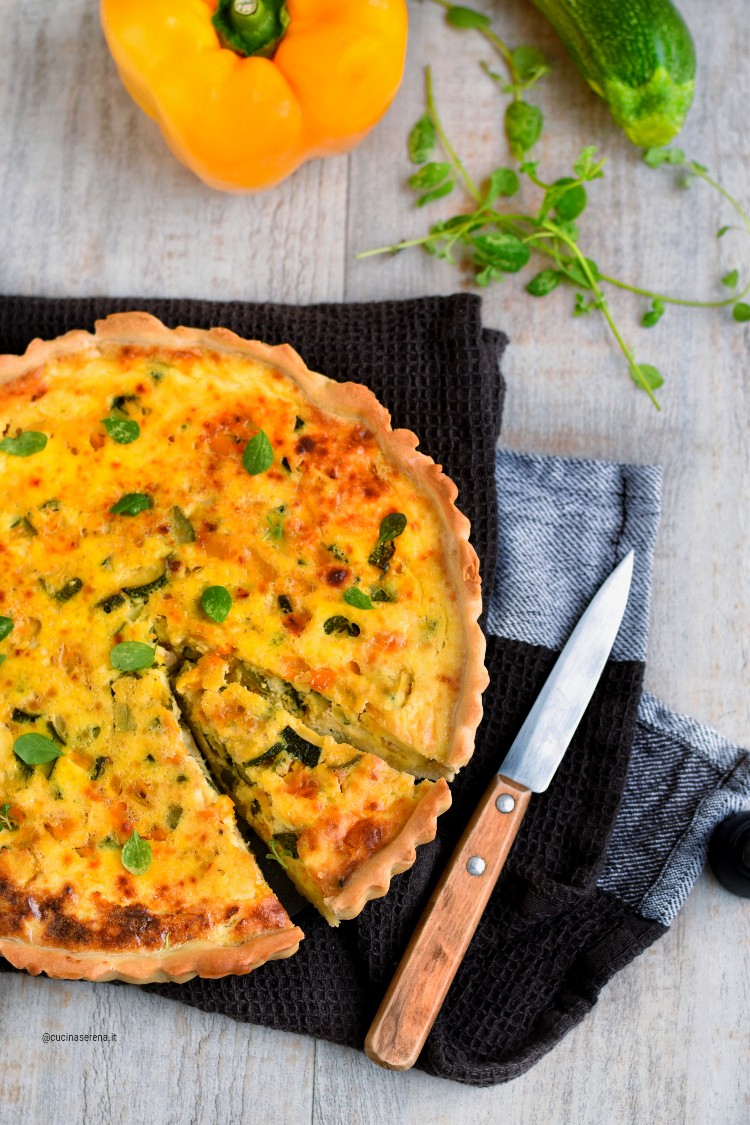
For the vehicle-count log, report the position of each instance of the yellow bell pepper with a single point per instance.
(244, 91)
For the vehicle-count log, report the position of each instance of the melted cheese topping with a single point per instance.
(76, 579)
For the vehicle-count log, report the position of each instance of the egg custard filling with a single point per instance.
(201, 539)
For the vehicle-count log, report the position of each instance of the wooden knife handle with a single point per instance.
(442, 936)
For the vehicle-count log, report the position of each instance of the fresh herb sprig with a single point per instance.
(496, 241)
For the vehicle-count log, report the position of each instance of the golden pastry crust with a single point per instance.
(373, 878)
(195, 958)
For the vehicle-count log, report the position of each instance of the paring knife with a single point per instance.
(437, 947)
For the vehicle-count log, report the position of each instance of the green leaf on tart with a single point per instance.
(35, 749)
(136, 855)
(122, 430)
(132, 656)
(340, 624)
(25, 444)
(390, 528)
(258, 455)
(131, 504)
(354, 596)
(216, 602)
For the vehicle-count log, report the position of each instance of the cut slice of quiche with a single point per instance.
(118, 858)
(168, 495)
(341, 822)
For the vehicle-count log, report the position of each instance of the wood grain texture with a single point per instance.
(420, 983)
(169, 1063)
(92, 202)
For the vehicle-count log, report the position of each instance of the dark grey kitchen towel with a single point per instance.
(563, 524)
(605, 857)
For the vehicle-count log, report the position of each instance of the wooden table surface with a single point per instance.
(93, 203)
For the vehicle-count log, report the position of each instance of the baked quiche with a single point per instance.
(218, 571)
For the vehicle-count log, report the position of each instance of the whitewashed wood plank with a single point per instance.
(95, 203)
(170, 1064)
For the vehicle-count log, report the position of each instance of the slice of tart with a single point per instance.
(340, 821)
(118, 858)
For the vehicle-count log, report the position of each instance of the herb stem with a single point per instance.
(502, 49)
(507, 58)
(451, 152)
(614, 281)
(693, 304)
(397, 246)
(601, 304)
(695, 170)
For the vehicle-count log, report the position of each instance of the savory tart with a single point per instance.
(185, 506)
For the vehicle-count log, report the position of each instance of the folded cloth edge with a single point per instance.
(684, 779)
(563, 525)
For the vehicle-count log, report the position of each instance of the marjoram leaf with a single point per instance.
(501, 251)
(503, 182)
(459, 16)
(429, 176)
(530, 63)
(574, 272)
(544, 283)
(654, 314)
(436, 193)
(523, 126)
(422, 140)
(568, 202)
(651, 376)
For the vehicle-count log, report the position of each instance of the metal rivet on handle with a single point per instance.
(505, 803)
(476, 865)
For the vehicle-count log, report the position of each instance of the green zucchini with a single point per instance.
(636, 54)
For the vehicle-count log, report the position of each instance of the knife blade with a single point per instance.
(427, 968)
